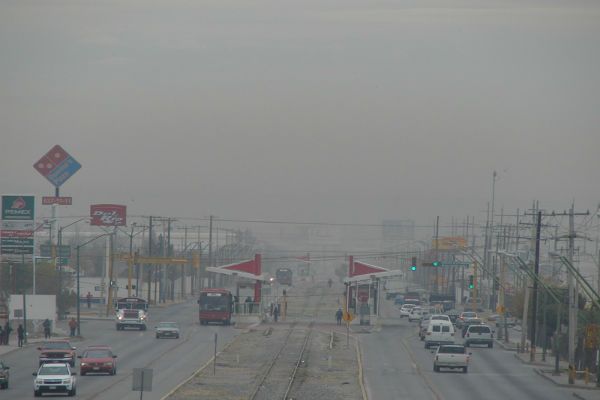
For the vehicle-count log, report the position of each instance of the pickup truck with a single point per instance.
(451, 356)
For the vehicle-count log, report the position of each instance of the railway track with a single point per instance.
(280, 378)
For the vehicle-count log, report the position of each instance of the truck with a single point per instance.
(451, 356)
(131, 318)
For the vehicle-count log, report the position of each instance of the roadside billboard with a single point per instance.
(108, 215)
(16, 235)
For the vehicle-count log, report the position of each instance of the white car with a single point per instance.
(451, 356)
(479, 334)
(54, 378)
(440, 317)
(415, 314)
(405, 310)
(438, 333)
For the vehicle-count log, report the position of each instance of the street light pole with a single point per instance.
(78, 280)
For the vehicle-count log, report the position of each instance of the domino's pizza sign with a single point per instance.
(57, 166)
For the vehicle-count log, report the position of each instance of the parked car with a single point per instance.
(451, 356)
(439, 332)
(97, 359)
(167, 329)
(4, 375)
(479, 334)
(57, 351)
(54, 378)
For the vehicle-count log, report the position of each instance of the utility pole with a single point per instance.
(437, 226)
(535, 285)
(149, 267)
(210, 228)
(573, 300)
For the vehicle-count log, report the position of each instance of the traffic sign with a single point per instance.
(57, 166)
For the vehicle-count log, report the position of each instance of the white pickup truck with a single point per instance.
(451, 356)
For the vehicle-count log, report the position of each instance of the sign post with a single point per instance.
(57, 166)
(16, 235)
(142, 380)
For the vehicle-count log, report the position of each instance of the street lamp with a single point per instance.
(78, 274)
(58, 261)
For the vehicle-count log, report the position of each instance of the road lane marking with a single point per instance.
(428, 383)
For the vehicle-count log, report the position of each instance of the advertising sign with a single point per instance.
(57, 166)
(17, 208)
(61, 201)
(16, 235)
(108, 215)
(450, 243)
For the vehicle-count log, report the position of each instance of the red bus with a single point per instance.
(215, 305)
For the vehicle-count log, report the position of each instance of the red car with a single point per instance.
(98, 359)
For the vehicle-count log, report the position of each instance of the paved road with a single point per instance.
(173, 360)
(398, 366)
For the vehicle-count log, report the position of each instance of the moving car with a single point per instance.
(399, 299)
(97, 359)
(405, 310)
(468, 322)
(463, 316)
(439, 333)
(479, 334)
(57, 351)
(451, 356)
(423, 327)
(440, 317)
(415, 314)
(167, 329)
(54, 378)
(4, 375)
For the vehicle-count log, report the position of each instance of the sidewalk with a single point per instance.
(31, 341)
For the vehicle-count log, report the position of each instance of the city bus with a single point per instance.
(215, 305)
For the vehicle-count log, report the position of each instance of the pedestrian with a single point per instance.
(338, 316)
(329, 282)
(276, 312)
(72, 326)
(7, 331)
(20, 335)
(88, 298)
(46, 325)
(248, 302)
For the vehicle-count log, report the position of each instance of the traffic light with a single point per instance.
(413, 264)
(471, 282)
(436, 264)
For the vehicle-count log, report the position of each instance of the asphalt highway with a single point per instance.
(397, 366)
(172, 360)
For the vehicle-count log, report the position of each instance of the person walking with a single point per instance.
(46, 325)
(338, 316)
(72, 326)
(7, 331)
(276, 312)
(20, 335)
(88, 298)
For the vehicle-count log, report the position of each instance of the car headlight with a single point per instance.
(66, 381)
(120, 317)
(83, 364)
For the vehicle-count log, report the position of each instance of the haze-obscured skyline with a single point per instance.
(341, 111)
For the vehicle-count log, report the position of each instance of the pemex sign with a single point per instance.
(16, 235)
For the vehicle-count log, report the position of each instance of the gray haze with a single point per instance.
(341, 111)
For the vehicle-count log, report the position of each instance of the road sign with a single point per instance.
(57, 166)
(61, 201)
(62, 251)
(142, 380)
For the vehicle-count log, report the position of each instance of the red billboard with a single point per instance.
(108, 215)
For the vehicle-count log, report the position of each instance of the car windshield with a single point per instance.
(479, 329)
(452, 349)
(469, 315)
(56, 345)
(439, 318)
(97, 354)
(167, 325)
(53, 370)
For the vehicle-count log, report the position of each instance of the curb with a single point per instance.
(537, 364)
(361, 376)
(541, 373)
(505, 346)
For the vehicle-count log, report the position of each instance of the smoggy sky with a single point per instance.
(341, 111)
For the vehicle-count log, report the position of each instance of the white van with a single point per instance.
(439, 332)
